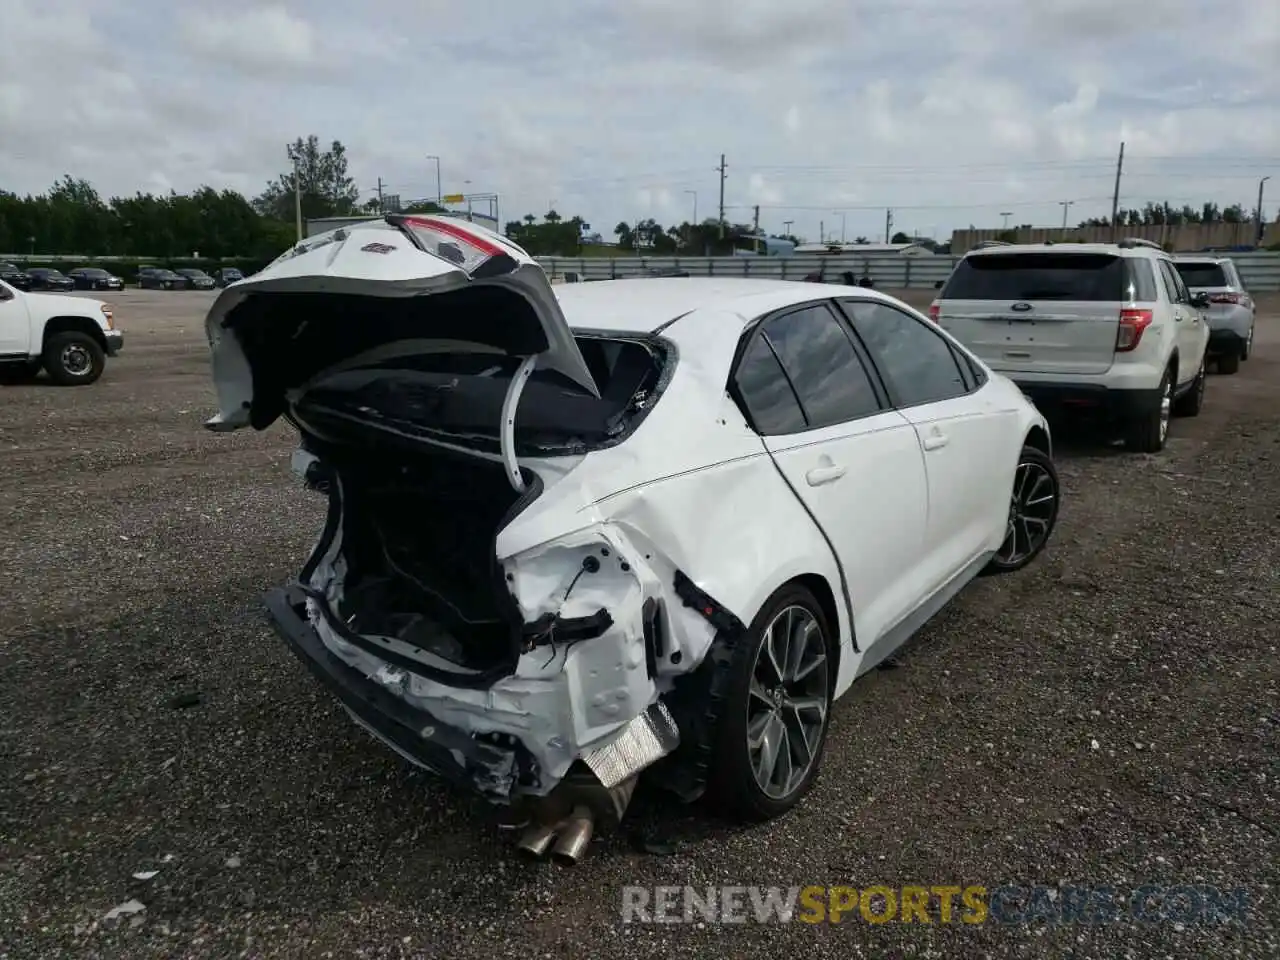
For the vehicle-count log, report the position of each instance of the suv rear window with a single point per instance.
(1038, 276)
(1202, 274)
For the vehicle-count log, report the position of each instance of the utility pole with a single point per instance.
(1115, 196)
(843, 222)
(755, 219)
(888, 225)
(380, 207)
(1065, 205)
(1261, 226)
(297, 197)
(822, 231)
(722, 168)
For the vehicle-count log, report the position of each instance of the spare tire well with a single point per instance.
(56, 325)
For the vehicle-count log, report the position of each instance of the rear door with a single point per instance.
(852, 461)
(969, 440)
(1043, 312)
(1191, 328)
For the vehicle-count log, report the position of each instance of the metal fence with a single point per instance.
(1260, 271)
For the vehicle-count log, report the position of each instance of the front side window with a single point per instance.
(917, 361)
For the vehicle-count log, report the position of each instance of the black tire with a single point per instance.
(1034, 477)
(1189, 404)
(732, 787)
(1148, 433)
(1229, 363)
(74, 359)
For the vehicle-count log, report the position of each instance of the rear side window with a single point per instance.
(766, 392)
(1202, 274)
(824, 369)
(815, 361)
(1142, 282)
(1038, 276)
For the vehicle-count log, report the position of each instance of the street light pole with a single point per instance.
(1006, 214)
(842, 225)
(1065, 205)
(439, 192)
(1261, 225)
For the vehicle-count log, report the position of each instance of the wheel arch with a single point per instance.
(67, 324)
(1038, 437)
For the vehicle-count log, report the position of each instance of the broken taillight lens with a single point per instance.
(451, 241)
(1132, 324)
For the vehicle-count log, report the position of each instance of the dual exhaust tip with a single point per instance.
(565, 840)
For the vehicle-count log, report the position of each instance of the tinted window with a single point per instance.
(1037, 276)
(825, 371)
(1142, 282)
(771, 403)
(1177, 289)
(1202, 274)
(915, 359)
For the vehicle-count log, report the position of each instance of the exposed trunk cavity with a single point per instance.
(415, 560)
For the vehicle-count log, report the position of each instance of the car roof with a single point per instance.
(1200, 258)
(643, 304)
(1109, 248)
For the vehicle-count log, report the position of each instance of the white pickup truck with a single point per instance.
(70, 337)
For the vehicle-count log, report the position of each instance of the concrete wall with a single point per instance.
(1188, 237)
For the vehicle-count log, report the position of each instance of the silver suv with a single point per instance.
(1107, 329)
(1232, 312)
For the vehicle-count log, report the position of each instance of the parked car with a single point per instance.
(225, 276)
(1097, 328)
(14, 277)
(159, 278)
(195, 279)
(69, 337)
(47, 278)
(581, 532)
(94, 278)
(1232, 312)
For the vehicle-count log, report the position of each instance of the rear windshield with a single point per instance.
(457, 397)
(1038, 276)
(1202, 274)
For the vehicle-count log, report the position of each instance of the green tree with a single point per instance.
(327, 190)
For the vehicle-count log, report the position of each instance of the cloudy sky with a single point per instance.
(828, 111)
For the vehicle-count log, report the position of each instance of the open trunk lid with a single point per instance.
(400, 286)
(1038, 312)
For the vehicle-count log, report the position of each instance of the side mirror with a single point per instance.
(937, 285)
(1200, 301)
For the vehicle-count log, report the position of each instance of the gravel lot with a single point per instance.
(152, 720)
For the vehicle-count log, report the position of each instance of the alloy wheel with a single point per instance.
(1031, 507)
(787, 704)
(76, 360)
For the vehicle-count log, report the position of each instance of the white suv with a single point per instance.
(1096, 328)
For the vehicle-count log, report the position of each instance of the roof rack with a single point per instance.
(1128, 243)
(991, 243)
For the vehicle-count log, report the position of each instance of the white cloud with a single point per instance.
(950, 113)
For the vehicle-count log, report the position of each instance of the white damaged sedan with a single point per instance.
(650, 525)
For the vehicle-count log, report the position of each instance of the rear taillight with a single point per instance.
(1236, 298)
(1132, 323)
(934, 310)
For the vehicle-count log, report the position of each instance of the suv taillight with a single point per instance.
(1132, 323)
(934, 310)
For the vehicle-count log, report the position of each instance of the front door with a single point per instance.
(964, 434)
(15, 330)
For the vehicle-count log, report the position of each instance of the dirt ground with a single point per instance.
(1108, 717)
